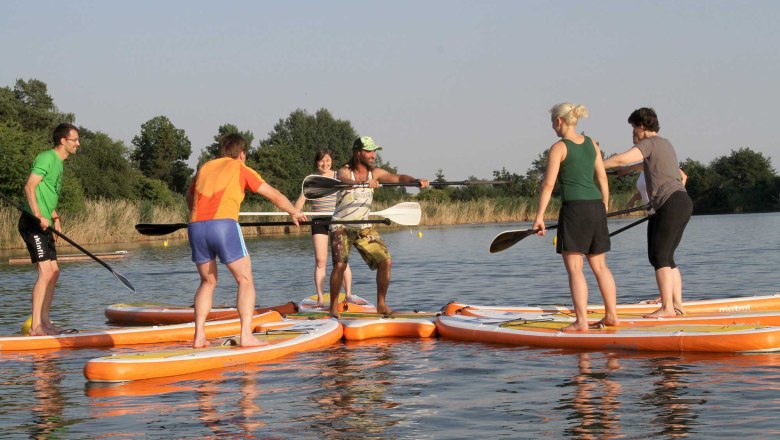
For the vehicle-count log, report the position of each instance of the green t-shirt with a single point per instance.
(48, 165)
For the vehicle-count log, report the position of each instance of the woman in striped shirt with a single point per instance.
(323, 163)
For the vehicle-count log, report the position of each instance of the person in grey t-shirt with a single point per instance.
(672, 205)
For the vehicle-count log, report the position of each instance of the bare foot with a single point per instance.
(661, 313)
(603, 323)
(42, 331)
(252, 341)
(320, 302)
(200, 343)
(52, 329)
(384, 310)
(575, 327)
(334, 313)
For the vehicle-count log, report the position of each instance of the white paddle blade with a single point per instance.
(406, 213)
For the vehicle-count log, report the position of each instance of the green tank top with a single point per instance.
(576, 174)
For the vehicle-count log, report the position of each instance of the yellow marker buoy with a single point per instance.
(419, 234)
(25, 330)
(165, 243)
(555, 240)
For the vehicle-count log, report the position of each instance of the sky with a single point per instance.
(459, 86)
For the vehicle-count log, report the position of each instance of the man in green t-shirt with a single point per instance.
(42, 192)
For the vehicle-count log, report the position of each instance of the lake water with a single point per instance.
(433, 388)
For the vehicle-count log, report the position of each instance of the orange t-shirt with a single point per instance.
(219, 189)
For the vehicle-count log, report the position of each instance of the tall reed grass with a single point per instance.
(113, 221)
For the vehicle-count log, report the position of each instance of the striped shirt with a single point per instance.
(354, 204)
(325, 204)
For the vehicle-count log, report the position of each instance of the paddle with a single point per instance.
(406, 213)
(640, 221)
(167, 228)
(507, 239)
(315, 186)
(74, 244)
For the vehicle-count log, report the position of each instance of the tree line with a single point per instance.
(154, 168)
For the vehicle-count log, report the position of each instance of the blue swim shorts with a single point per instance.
(212, 238)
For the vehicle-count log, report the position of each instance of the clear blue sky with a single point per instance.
(464, 86)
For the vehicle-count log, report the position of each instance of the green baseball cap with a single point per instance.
(365, 143)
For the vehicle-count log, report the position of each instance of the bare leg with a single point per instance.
(203, 299)
(320, 243)
(579, 291)
(598, 263)
(677, 301)
(664, 277)
(245, 300)
(42, 296)
(50, 287)
(336, 280)
(348, 286)
(382, 285)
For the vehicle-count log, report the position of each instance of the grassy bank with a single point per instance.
(105, 221)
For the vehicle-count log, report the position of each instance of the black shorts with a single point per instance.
(40, 243)
(582, 227)
(320, 229)
(665, 229)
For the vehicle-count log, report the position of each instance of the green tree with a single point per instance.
(35, 109)
(287, 155)
(751, 180)
(161, 151)
(212, 151)
(99, 164)
(18, 149)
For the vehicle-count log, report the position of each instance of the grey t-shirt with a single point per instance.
(662, 170)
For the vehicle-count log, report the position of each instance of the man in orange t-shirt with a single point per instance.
(214, 200)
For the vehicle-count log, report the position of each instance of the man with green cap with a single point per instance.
(355, 204)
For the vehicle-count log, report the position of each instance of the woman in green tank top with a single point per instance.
(575, 163)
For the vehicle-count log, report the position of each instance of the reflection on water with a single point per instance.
(431, 388)
(353, 399)
(674, 412)
(594, 402)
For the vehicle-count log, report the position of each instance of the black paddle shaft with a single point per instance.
(118, 276)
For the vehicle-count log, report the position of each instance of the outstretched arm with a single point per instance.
(281, 202)
(383, 176)
(629, 157)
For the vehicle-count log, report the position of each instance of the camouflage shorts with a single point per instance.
(367, 241)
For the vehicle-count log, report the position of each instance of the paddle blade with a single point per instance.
(507, 239)
(123, 280)
(159, 229)
(316, 187)
(406, 213)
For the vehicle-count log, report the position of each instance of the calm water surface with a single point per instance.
(410, 388)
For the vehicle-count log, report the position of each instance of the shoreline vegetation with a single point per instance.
(113, 221)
